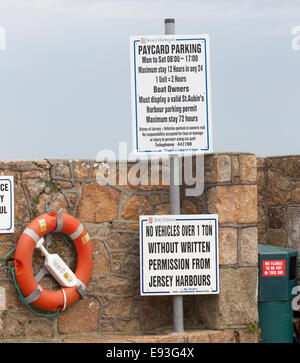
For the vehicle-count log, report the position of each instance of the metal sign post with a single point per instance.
(175, 206)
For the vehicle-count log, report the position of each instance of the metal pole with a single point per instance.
(175, 207)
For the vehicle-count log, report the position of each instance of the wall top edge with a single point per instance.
(282, 156)
(64, 160)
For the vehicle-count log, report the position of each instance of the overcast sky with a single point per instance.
(65, 73)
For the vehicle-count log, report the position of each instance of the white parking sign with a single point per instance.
(170, 82)
(179, 254)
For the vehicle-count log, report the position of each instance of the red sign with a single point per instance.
(273, 268)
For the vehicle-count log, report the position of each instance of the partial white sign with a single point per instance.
(6, 204)
(170, 86)
(179, 254)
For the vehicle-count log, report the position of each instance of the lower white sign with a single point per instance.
(6, 204)
(179, 254)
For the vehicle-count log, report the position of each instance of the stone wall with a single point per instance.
(113, 309)
(279, 201)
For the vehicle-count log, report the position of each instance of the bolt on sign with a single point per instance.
(6, 204)
(170, 86)
(179, 254)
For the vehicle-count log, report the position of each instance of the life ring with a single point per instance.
(31, 290)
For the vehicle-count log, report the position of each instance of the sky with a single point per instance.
(65, 73)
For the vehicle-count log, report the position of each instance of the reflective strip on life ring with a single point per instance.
(31, 290)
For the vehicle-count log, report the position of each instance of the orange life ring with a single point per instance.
(32, 292)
